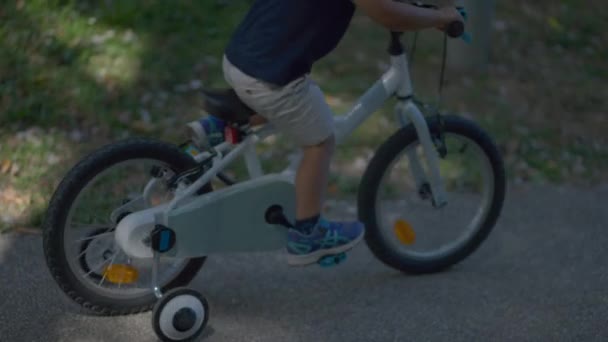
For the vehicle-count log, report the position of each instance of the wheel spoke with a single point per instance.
(128, 263)
(96, 267)
(89, 225)
(82, 253)
(88, 230)
(447, 230)
(119, 284)
(104, 273)
(93, 236)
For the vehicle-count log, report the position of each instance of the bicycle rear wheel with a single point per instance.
(79, 243)
(403, 227)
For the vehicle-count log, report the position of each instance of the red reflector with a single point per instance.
(232, 135)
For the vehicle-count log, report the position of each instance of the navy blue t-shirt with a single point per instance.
(280, 40)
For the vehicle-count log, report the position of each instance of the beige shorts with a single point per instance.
(298, 109)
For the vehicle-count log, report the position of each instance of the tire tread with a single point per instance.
(370, 182)
(59, 206)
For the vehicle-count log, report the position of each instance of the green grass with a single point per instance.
(79, 74)
(35, 161)
(71, 63)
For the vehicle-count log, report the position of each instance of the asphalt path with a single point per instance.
(541, 276)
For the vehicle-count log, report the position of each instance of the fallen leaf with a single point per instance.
(15, 169)
(8, 194)
(142, 127)
(5, 166)
(52, 159)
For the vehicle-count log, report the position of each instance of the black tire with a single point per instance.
(373, 175)
(161, 305)
(59, 207)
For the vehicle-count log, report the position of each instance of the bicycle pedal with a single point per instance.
(332, 260)
(162, 238)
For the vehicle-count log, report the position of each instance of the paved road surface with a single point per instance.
(542, 276)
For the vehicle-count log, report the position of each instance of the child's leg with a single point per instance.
(312, 178)
(299, 111)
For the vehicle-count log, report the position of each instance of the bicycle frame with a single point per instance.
(395, 81)
(136, 238)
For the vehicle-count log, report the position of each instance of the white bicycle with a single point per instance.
(132, 223)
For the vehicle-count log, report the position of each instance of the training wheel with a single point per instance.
(180, 315)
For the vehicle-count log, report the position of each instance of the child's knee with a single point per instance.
(327, 144)
(330, 143)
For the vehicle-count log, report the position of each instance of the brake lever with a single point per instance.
(466, 36)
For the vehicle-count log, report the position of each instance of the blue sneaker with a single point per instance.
(326, 238)
(207, 132)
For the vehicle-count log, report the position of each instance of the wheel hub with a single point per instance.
(122, 216)
(93, 250)
(107, 254)
(184, 319)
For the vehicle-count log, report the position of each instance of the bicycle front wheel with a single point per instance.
(403, 227)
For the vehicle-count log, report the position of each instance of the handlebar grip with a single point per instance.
(455, 29)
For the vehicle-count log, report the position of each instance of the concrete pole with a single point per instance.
(474, 56)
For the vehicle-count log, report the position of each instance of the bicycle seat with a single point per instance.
(226, 105)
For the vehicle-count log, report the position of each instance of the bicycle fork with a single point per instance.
(408, 113)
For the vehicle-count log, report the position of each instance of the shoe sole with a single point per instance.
(308, 259)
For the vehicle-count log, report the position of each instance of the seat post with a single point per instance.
(395, 47)
(226, 105)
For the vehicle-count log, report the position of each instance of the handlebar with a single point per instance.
(454, 29)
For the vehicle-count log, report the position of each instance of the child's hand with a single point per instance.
(445, 3)
(449, 15)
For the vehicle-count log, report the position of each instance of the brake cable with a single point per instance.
(442, 149)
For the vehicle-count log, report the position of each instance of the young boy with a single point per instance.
(268, 62)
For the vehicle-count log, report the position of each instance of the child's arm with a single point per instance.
(398, 16)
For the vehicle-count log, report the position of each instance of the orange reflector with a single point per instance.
(193, 151)
(120, 274)
(405, 233)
